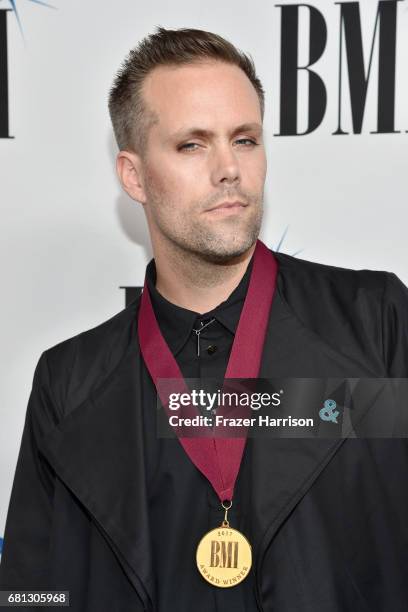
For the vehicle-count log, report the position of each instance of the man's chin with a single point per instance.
(222, 252)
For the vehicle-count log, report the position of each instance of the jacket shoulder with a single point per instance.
(77, 365)
(348, 279)
(344, 307)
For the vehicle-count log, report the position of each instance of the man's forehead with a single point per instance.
(188, 110)
(163, 94)
(208, 131)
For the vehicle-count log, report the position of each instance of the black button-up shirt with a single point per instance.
(213, 343)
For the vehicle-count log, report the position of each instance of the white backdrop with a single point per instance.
(70, 238)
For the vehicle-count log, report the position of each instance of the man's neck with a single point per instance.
(193, 283)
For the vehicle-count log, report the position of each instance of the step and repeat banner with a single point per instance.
(74, 247)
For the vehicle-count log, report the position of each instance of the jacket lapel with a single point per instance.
(284, 469)
(98, 450)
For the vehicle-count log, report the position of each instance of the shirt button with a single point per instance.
(211, 349)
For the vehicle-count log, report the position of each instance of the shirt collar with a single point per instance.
(176, 323)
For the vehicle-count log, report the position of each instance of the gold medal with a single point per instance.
(224, 555)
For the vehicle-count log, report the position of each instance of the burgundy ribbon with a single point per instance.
(218, 459)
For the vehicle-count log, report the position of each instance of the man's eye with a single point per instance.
(252, 142)
(188, 146)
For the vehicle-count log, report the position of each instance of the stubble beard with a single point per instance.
(212, 240)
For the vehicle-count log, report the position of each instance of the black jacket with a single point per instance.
(329, 521)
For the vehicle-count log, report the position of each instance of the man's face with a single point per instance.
(205, 149)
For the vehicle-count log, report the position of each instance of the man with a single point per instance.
(103, 507)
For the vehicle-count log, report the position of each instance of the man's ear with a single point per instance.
(129, 169)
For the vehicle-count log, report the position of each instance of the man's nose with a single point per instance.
(225, 166)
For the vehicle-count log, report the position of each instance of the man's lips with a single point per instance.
(228, 205)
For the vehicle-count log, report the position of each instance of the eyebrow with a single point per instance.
(203, 133)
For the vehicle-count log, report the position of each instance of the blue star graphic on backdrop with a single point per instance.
(281, 241)
(15, 11)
